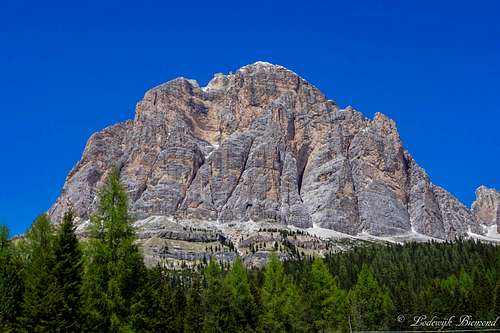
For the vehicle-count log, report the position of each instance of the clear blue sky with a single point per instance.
(70, 68)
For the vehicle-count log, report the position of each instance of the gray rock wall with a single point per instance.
(263, 144)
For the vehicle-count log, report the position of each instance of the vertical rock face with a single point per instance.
(486, 208)
(101, 153)
(327, 186)
(456, 218)
(380, 177)
(263, 144)
(423, 207)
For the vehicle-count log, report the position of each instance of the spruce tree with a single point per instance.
(158, 306)
(68, 273)
(169, 316)
(11, 284)
(114, 264)
(146, 313)
(42, 297)
(370, 306)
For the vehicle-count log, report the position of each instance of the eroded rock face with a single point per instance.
(423, 206)
(262, 144)
(456, 218)
(103, 150)
(380, 177)
(486, 208)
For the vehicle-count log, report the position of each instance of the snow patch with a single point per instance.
(411, 236)
(325, 233)
(492, 234)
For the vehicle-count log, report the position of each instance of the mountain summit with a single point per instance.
(264, 145)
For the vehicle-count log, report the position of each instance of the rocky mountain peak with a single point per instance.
(263, 145)
(263, 67)
(486, 207)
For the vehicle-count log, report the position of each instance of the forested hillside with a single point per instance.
(52, 282)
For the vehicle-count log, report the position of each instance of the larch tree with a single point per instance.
(370, 306)
(280, 300)
(241, 301)
(215, 302)
(326, 298)
(114, 265)
(42, 297)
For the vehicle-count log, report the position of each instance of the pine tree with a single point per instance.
(11, 284)
(115, 267)
(40, 311)
(326, 299)
(68, 273)
(241, 301)
(280, 300)
(158, 306)
(371, 307)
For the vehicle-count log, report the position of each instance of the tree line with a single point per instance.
(50, 281)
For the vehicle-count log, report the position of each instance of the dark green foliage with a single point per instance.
(68, 274)
(281, 304)
(147, 313)
(161, 303)
(215, 301)
(193, 321)
(366, 288)
(496, 298)
(370, 306)
(42, 297)
(482, 295)
(326, 299)
(11, 283)
(242, 311)
(114, 268)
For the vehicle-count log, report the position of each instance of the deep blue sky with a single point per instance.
(70, 68)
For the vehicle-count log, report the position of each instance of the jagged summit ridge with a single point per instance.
(262, 144)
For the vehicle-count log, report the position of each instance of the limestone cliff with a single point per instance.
(486, 208)
(263, 144)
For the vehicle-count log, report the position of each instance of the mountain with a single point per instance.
(486, 208)
(261, 149)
